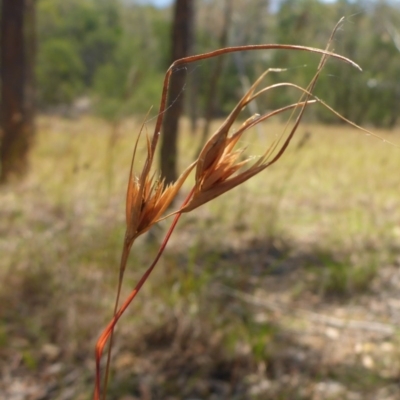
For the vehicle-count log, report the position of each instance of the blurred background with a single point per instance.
(286, 288)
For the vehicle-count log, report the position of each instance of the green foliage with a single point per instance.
(123, 86)
(118, 51)
(3, 335)
(92, 27)
(130, 81)
(75, 39)
(29, 360)
(368, 97)
(342, 277)
(59, 72)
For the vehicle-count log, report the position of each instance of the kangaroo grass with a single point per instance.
(218, 170)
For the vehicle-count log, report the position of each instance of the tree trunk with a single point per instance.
(181, 41)
(212, 96)
(17, 98)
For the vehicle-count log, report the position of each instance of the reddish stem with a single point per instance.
(102, 341)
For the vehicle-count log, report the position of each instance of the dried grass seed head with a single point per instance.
(147, 196)
(218, 167)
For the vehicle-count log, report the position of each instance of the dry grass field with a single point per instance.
(287, 287)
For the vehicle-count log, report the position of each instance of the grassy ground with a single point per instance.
(286, 288)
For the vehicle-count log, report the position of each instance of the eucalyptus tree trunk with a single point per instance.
(180, 47)
(17, 49)
(212, 95)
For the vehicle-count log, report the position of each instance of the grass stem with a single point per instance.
(108, 331)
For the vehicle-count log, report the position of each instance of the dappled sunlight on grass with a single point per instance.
(227, 307)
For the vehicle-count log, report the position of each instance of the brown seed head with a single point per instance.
(148, 197)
